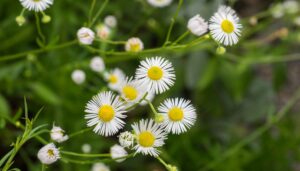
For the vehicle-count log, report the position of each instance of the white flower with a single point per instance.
(297, 21)
(197, 25)
(277, 10)
(86, 148)
(100, 167)
(131, 91)
(126, 139)
(48, 154)
(291, 7)
(78, 76)
(36, 5)
(150, 96)
(156, 73)
(85, 36)
(159, 3)
(57, 134)
(103, 31)
(224, 26)
(149, 136)
(179, 115)
(134, 44)
(114, 78)
(110, 21)
(118, 153)
(105, 111)
(97, 64)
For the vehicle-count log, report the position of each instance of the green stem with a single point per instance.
(111, 42)
(43, 167)
(84, 155)
(152, 108)
(38, 26)
(162, 162)
(257, 133)
(83, 162)
(91, 11)
(98, 13)
(79, 132)
(181, 37)
(134, 105)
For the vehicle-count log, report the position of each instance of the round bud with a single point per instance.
(20, 20)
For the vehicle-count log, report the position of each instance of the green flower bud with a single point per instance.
(20, 20)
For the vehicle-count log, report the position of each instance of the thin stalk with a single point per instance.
(152, 108)
(91, 11)
(163, 162)
(134, 105)
(98, 13)
(181, 37)
(79, 132)
(85, 155)
(38, 26)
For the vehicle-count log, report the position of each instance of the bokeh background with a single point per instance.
(234, 93)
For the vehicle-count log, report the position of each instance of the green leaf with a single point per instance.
(46, 94)
(209, 74)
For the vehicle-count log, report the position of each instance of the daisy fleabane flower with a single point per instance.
(97, 64)
(118, 153)
(149, 137)
(105, 111)
(36, 5)
(126, 139)
(132, 91)
(224, 26)
(179, 115)
(78, 76)
(110, 21)
(103, 31)
(134, 44)
(156, 73)
(85, 36)
(48, 154)
(115, 78)
(57, 134)
(197, 25)
(100, 167)
(159, 3)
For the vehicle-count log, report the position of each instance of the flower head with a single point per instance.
(78, 76)
(110, 21)
(36, 5)
(115, 78)
(85, 36)
(105, 111)
(134, 44)
(149, 136)
(126, 139)
(159, 3)
(48, 154)
(100, 167)
(197, 25)
(179, 115)
(97, 64)
(57, 134)
(86, 148)
(224, 26)
(156, 73)
(103, 31)
(118, 153)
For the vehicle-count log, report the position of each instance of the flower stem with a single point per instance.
(84, 155)
(134, 105)
(38, 26)
(181, 37)
(79, 132)
(162, 162)
(98, 13)
(91, 11)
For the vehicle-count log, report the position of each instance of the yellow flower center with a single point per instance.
(135, 47)
(113, 79)
(106, 113)
(155, 73)
(146, 139)
(50, 153)
(227, 26)
(175, 114)
(130, 92)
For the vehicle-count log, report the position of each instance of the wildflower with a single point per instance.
(291, 7)
(48, 154)
(179, 115)
(100, 167)
(118, 153)
(149, 136)
(110, 21)
(197, 25)
(156, 73)
(20, 20)
(103, 31)
(57, 134)
(78, 76)
(105, 111)
(225, 27)
(36, 5)
(85, 36)
(114, 78)
(126, 139)
(97, 64)
(134, 44)
(86, 148)
(159, 3)
(277, 10)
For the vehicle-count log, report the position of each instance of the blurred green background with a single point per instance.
(234, 93)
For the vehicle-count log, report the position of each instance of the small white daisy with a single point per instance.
(110, 21)
(118, 153)
(114, 78)
(179, 115)
(291, 6)
(78, 76)
(159, 3)
(48, 154)
(36, 5)
(103, 31)
(126, 139)
(277, 10)
(100, 167)
(156, 73)
(149, 137)
(224, 26)
(85, 36)
(105, 111)
(86, 148)
(132, 91)
(97, 64)
(134, 44)
(197, 25)
(57, 134)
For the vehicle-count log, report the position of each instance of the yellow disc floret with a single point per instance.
(113, 79)
(130, 92)
(146, 139)
(175, 114)
(106, 113)
(155, 73)
(227, 26)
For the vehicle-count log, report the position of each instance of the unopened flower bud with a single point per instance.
(46, 19)
(20, 20)
(221, 50)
